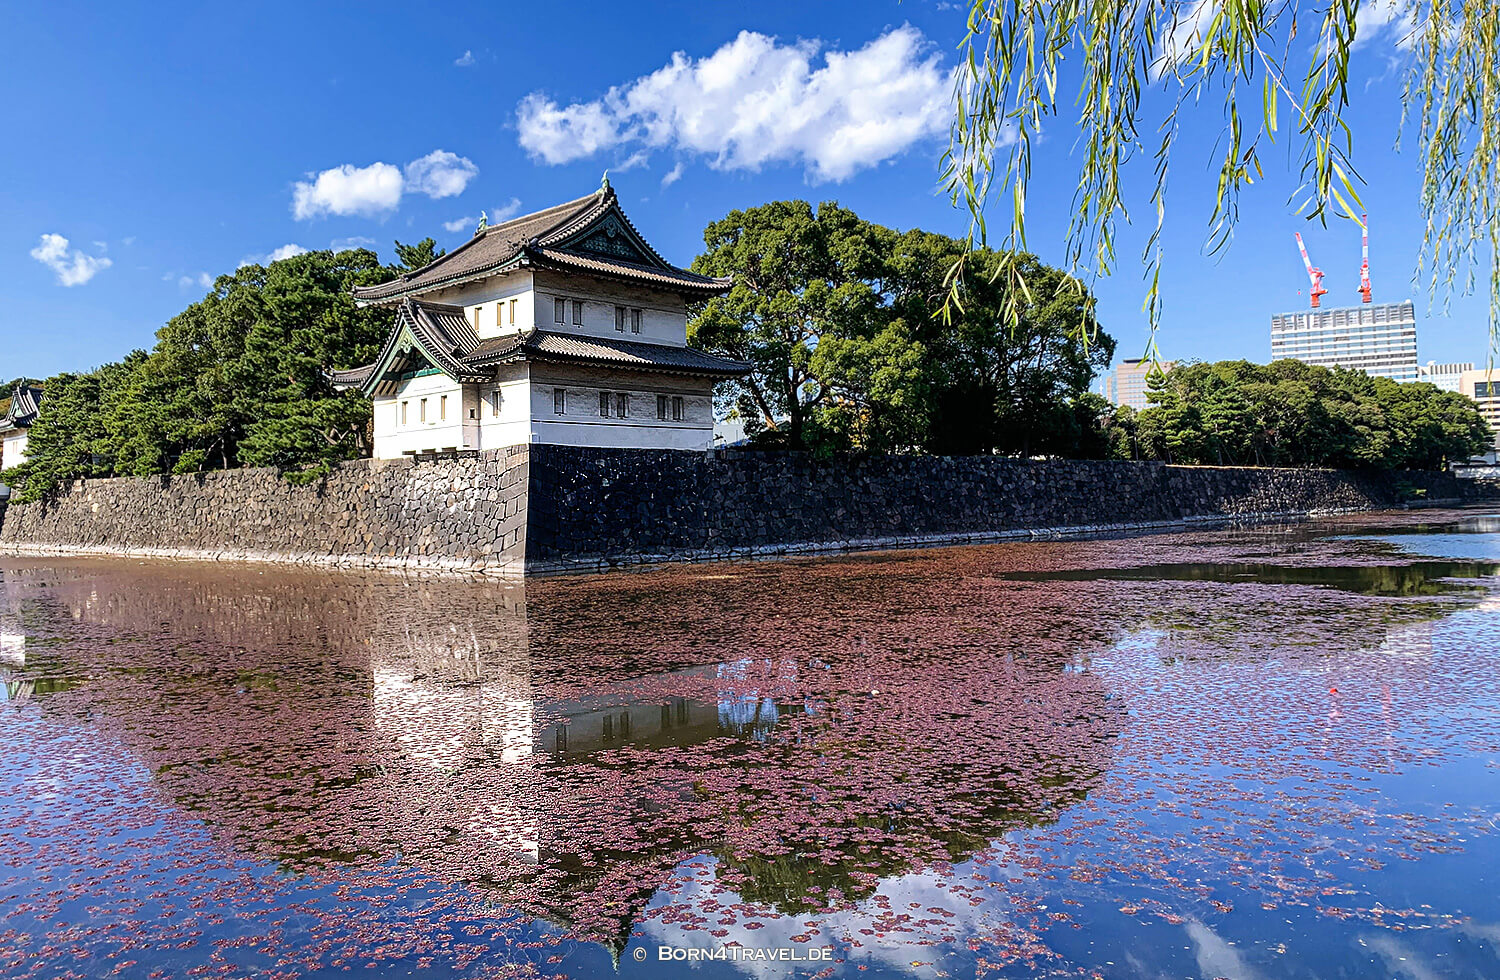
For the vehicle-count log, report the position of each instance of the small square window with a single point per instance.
(560, 310)
(578, 312)
(403, 413)
(477, 311)
(559, 400)
(622, 405)
(422, 411)
(499, 314)
(676, 409)
(661, 407)
(620, 318)
(495, 403)
(442, 406)
(512, 312)
(604, 404)
(635, 320)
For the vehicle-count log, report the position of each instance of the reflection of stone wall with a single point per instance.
(549, 508)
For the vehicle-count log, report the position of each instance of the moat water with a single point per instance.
(1251, 754)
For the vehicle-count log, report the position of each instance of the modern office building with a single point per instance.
(1126, 384)
(1448, 377)
(1484, 387)
(1379, 339)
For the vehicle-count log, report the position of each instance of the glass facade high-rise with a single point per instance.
(1379, 339)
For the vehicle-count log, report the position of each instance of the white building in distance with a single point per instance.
(563, 326)
(1126, 384)
(1448, 377)
(1379, 339)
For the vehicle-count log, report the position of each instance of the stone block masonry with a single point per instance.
(456, 514)
(545, 509)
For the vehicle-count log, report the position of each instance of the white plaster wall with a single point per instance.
(486, 295)
(392, 439)
(512, 427)
(582, 425)
(13, 450)
(664, 314)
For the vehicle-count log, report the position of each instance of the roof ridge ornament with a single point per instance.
(604, 187)
(484, 222)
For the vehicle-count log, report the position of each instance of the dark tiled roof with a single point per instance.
(25, 403)
(544, 237)
(545, 345)
(440, 331)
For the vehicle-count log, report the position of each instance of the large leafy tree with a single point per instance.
(236, 379)
(1274, 68)
(840, 318)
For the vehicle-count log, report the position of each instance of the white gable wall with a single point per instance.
(13, 449)
(664, 314)
(492, 296)
(443, 427)
(581, 423)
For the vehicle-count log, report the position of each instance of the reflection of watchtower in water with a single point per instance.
(12, 642)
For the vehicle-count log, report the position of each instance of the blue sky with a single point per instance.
(168, 143)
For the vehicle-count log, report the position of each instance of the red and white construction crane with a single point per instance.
(1364, 265)
(1314, 275)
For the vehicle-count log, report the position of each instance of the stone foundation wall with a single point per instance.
(466, 513)
(543, 509)
(591, 507)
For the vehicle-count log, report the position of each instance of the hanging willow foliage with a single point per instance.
(1293, 56)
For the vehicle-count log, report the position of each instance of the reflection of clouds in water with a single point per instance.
(1400, 958)
(972, 909)
(1216, 957)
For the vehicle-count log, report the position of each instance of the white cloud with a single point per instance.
(503, 213)
(440, 174)
(72, 266)
(672, 176)
(376, 190)
(756, 101)
(202, 279)
(464, 60)
(275, 255)
(637, 159)
(354, 241)
(1378, 19)
(347, 190)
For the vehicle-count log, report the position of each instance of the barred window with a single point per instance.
(560, 310)
(622, 405)
(578, 312)
(559, 400)
(604, 404)
(635, 321)
(661, 407)
(677, 409)
(620, 318)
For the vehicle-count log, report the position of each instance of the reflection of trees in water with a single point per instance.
(380, 716)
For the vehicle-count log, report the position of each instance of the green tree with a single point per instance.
(421, 254)
(235, 379)
(839, 318)
(1292, 414)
